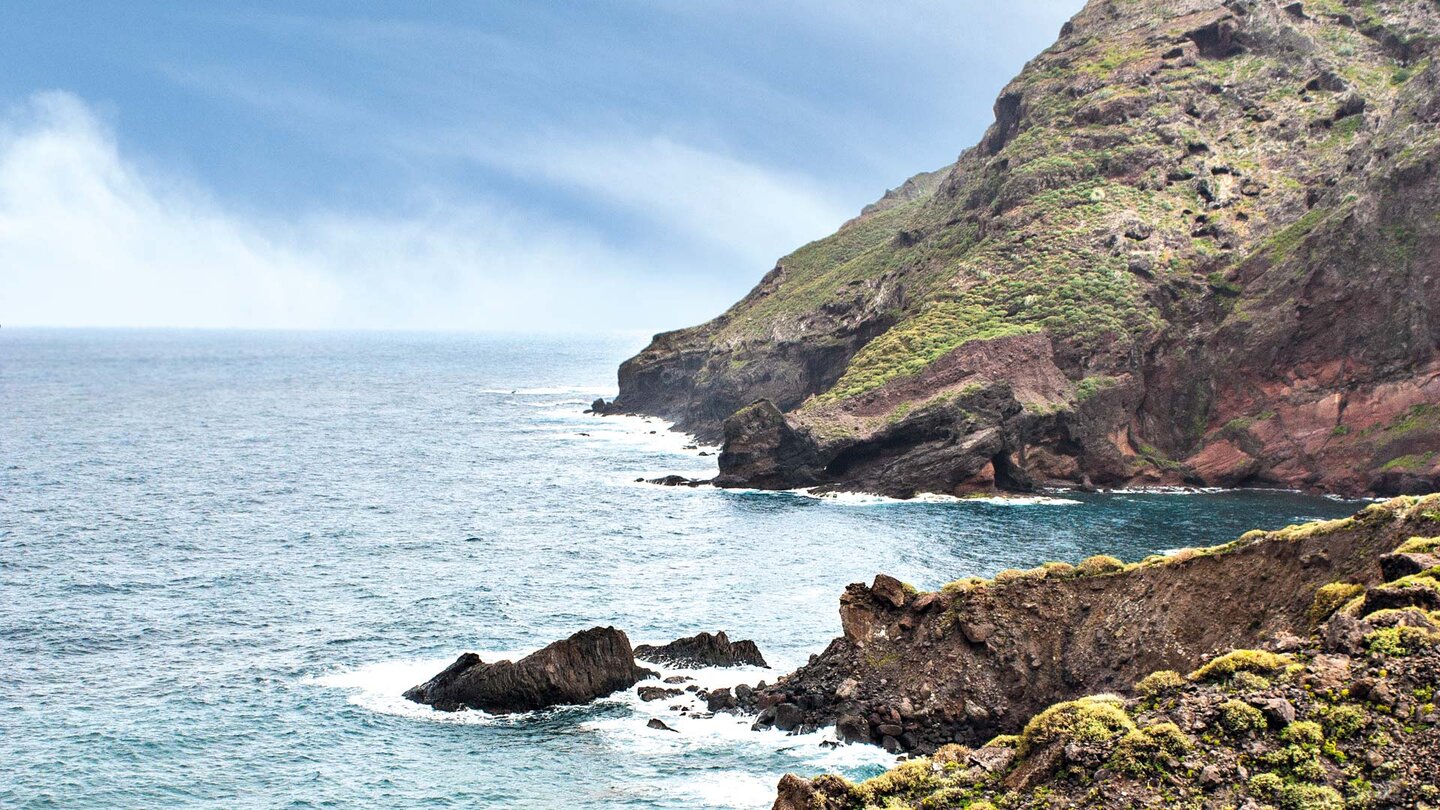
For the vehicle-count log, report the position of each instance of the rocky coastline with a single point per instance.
(1305, 676)
(1293, 668)
(1198, 246)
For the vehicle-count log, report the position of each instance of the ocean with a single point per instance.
(224, 555)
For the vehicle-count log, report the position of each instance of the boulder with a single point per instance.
(649, 693)
(704, 650)
(585, 666)
(676, 481)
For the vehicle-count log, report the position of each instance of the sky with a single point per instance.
(525, 166)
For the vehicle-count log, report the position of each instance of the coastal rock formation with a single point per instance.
(1345, 717)
(704, 650)
(916, 671)
(1199, 244)
(590, 664)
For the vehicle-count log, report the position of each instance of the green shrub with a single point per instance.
(1344, 720)
(1099, 564)
(1266, 785)
(1303, 733)
(1259, 661)
(1097, 719)
(1165, 680)
(1330, 597)
(1295, 795)
(1419, 545)
(1400, 640)
(1058, 570)
(1240, 717)
(1248, 682)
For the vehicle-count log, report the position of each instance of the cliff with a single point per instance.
(1199, 244)
(1219, 678)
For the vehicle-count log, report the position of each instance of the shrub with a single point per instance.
(1400, 640)
(1016, 575)
(1004, 741)
(911, 779)
(965, 585)
(1267, 785)
(1419, 545)
(1240, 717)
(1093, 720)
(1259, 661)
(1303, 733)
(1165, 680)
(1295, 795)
(1249, 682)
(1099, 564)
(1330, 597)
(1345, 720)
(1300, 796)
(1058, 570)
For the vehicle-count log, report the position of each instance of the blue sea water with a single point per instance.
(223, 555)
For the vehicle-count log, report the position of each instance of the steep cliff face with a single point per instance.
(978, 658)
(1200, 243)
(1329, 701)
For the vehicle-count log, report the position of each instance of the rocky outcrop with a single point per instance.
(703, 650)
(916, 671)
(585, 666)
(1199, 245)
(1343, 717)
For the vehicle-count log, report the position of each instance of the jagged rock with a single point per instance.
(889, 589)
(704, 650)
(659, 725)
(719, 700)
(761, 450)
(649, 693)
(1395, 566)
(590, 664)
(788, 716)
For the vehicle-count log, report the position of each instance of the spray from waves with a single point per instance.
(697, 738)
(550, 391)
(379, 688)
(930, 498)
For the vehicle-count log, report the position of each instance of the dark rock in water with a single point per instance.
(658, 724)
(788, 716)
(587, 665)
(649, 693)
(598, 406)
(704, 650)
(762, 450)
(675, 481)
(678, 679)
(720, 700)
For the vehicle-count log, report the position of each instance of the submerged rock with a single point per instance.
(704, 650)
(590, 664)
(676, 481)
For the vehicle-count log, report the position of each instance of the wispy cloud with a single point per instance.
(88, 237)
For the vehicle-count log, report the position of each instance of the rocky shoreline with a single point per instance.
(1064, 685)
(1308, 696)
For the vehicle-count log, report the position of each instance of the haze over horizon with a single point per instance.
(627, 165)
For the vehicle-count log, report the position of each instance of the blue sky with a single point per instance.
(477, 166)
